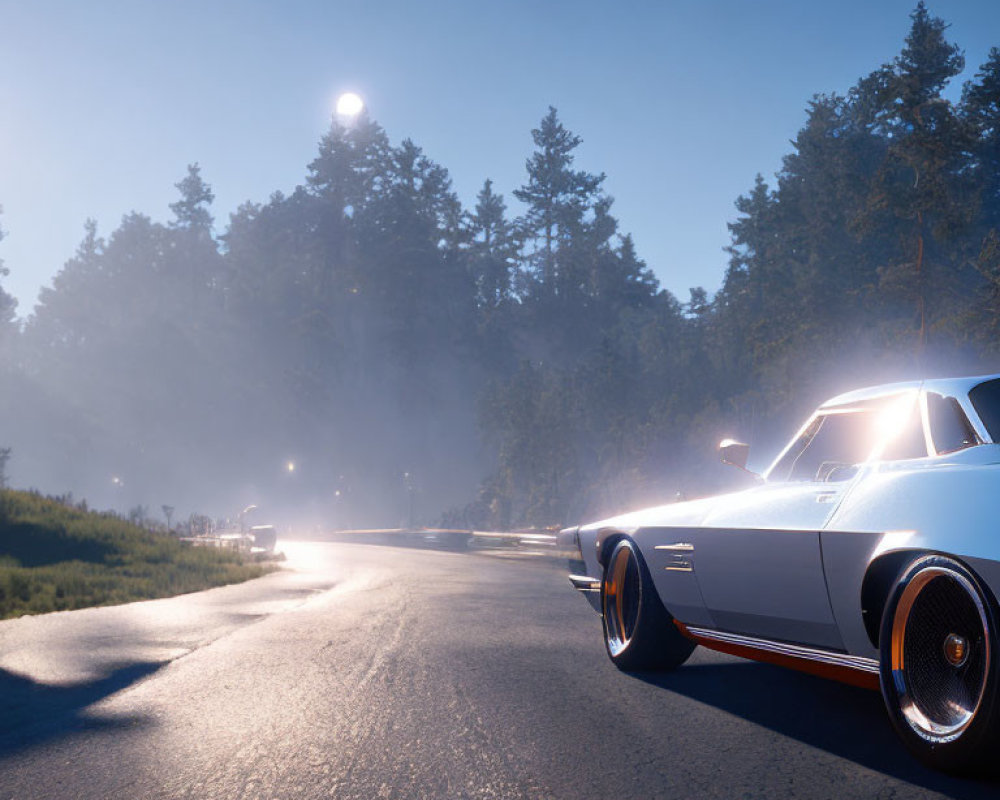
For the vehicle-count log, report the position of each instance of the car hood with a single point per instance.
(684, 514)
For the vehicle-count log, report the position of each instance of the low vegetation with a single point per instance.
(55, 557)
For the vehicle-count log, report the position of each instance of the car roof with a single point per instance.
(957, 387)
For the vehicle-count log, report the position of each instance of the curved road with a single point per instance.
(383, 672)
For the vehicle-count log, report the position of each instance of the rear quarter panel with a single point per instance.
(947, 505)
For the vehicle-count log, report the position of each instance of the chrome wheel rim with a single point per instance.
(939, 653)
(622, 597)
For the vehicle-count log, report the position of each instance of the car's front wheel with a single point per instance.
(639, 633)
(938, 664)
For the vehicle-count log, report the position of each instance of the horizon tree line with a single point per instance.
(518, 370)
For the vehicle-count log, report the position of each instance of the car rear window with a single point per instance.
(950, 429)
(986, 400)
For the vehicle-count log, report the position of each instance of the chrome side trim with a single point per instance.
(585, 583)
(869, 665)
(678, 561)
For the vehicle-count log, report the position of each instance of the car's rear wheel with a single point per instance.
(938, 664)
(639, 634)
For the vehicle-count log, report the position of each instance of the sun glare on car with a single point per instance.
(893, 419)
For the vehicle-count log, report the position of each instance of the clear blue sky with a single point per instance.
(681, 103)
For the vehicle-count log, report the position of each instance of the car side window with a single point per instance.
(950, 428)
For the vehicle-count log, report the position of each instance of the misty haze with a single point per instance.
(368, 350)
(335, 338)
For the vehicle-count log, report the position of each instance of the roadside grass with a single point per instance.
(55, 557)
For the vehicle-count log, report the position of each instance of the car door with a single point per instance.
(757, 557)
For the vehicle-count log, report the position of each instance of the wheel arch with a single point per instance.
(876, 585)
(606, 541)
(881, 575)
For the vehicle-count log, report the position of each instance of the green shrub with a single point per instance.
(55, 557)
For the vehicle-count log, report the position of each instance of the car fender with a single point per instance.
(932, 505)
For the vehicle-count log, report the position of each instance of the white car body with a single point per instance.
(799, 568)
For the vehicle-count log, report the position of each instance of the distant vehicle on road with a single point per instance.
(265, 537)
(868, 552)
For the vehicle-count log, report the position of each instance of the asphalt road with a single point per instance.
(381, 672)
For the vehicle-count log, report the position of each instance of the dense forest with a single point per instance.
(365, 349)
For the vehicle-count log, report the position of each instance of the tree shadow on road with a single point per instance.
(32, 713)
(845, 721)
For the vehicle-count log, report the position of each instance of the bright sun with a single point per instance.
(349, 104)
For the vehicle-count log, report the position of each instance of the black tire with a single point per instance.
(938, 665)
(639, 634)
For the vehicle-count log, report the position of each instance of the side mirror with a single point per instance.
(734, 453)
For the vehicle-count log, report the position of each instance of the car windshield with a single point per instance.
(831, 441)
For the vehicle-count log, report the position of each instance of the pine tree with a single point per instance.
(409, 237)
(921, 180)
(634, 271)
(757, 285)
(8, 305)
(352, 164)
(558, 197)
(66, 310)
(981, 108)
(492, 248)
(191, 283)
(191, 211)
(821, 207)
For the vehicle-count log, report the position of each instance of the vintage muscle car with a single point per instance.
(869, 552)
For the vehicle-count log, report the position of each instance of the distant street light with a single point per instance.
(243, 514)
(408, 484)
